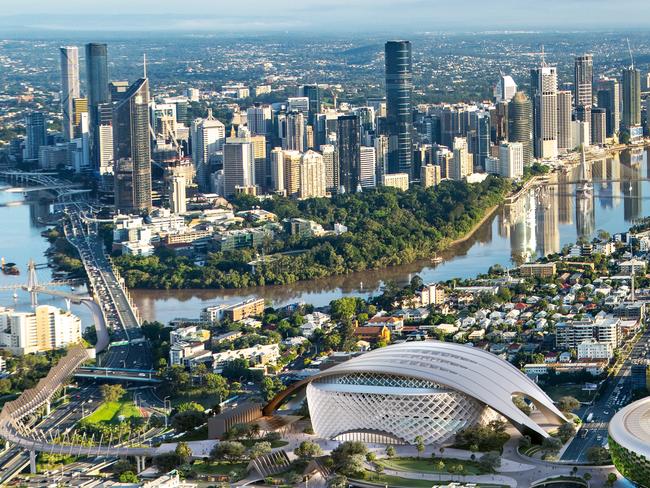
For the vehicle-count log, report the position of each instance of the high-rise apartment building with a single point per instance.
(543, 81)
(367, 167)
(430, 175)
(520, 121)
(564, 111)
(238, 164)
(631, 119)
(598, 126)
(349, 151)
(292, 172)
(208, 137)
(511, 160)
(330, 158)
(505, 89)
(277, 170)
(97, 91)
(69, 87)
(294, 137)
(399, 117)
(608, 92)
(583, 80)
(132, 142)
(35, 135)
(259, 119)
(461, 165)
(312, 175)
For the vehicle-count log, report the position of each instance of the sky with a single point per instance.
(334, 16)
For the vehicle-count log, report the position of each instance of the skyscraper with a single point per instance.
(631, 99)
(399, 117)
(69, 87)
(97, 91)
(520, 124)
(330, 158)
(505, 89)
(132, 142)
(238, 164)
(483, 139)
(367, 167)
(277, 169)
(312, 92)
(312, 175)
(177, 197)
(349, 144)
(609, 98)
(295, 133)
(564, 109)
(208, 137)
(543, 83)
(461, 165)
(259, 119)
(583, 80)
(35, 135)
(598, 126)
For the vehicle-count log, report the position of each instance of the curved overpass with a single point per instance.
(474, 372)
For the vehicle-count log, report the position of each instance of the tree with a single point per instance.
(521, 404)
(440, 466)
(525, 442)
(128, 477)
(271, 386)
(227, 450)
(259, 449)
(112, 393)
(390, 452)
(167, 462)
(5, 386)
(189, 420)
(586, 476)
(598, 455)
(338, 481)
(217, 384)
(419, 444)
(566, 431)
(611, 479)
(490, 461)
(551, 445)
(308, 450)
(348, 458)
(190, 407)
(183, 451)
(343, 309)
(568, 404)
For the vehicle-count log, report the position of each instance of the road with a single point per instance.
(614, 394)
(120, 316)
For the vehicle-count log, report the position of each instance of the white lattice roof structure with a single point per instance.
(430, 388)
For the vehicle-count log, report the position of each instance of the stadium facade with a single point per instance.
(629, 441)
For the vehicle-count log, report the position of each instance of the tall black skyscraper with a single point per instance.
(348, 134)
(399, 117)
(313, 93)
(132, 149)
(97, 91)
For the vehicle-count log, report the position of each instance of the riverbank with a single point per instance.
(385, 228)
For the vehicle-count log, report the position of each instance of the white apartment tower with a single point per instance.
(312, 175)
(208, 138)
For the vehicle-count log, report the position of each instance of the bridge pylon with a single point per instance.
(32, 282)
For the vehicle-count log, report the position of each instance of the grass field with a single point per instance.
(386, 480)
(111, 411)
(426, 465)
(558, 391)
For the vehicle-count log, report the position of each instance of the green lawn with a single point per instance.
(426, 465)
(386, 480)
(558, 391)
(111, 411)
(236, 471)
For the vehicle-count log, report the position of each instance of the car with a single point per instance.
(142, 375)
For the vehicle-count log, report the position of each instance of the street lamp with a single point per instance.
(167, 411)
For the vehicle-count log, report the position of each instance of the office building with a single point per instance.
(259, 119)
(583, 80)
(483, 139)
(292, 173)
(367, 167)
(564, 118)
(238, 164)
(79, 108)
(399, 88)
(312, 92)
(543, 81)
(298, 104)
(208, 137)
(631, 119)
(97, 92)
(177, 197)
(69, 88)
(349, 151)
(511, 160)
(381, 153)
(330, 157)
(104, 139)
(294, 137)
(312, 175)
(117, 90)
(132, 141)
(277, 170)
(35, 135)
(461, 165)
(45, 329)
(520, 121)
(430, 175)
(505, 89)
(608, 92)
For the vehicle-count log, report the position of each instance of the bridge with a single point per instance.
(118, 374)
(32, 182)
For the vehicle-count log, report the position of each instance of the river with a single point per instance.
(540, 222)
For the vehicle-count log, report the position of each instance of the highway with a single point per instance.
(132, 352)
(614, 395)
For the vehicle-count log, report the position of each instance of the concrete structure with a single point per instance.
(461, 165)
(430, 175)
(69, 87)
(592, 349)
(367, 167)
(399, 119)
(543, 82)
(511, 160)
(430, 389)
(312, 175)
(396, 180)
(520, 124)
(564, 111)
(238, 164)
(629, 441)
(208, 137)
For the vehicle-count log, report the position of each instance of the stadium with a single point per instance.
(429, 389)
(629, 441)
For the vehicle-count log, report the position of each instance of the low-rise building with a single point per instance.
(250, 308)
(592, 349)
(538, 270)
(260, 355)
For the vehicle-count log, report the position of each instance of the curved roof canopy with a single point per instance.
(630, 427)
(475, 372)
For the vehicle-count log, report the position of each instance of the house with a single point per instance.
(393, 323)
(373, 334)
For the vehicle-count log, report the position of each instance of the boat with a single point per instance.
(9, 268)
